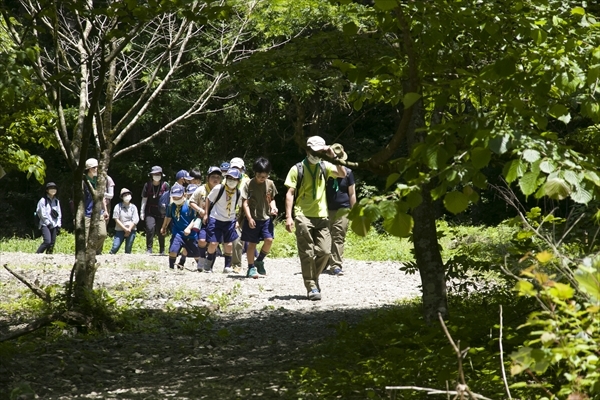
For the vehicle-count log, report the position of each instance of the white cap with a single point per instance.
(91, 163)
(237, 162)
(316, 143)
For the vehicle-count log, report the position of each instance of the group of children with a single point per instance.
(229, 203)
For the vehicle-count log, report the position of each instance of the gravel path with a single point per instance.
(261, 331)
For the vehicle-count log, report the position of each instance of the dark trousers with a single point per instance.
(153, 225)
(49, 235)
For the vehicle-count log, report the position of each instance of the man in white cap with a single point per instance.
(91, 176)
(306, 199)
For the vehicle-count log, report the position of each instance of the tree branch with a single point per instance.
(39, 292)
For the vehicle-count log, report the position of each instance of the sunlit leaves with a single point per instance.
(456, 202)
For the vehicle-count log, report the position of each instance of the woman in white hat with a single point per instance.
(126, 219)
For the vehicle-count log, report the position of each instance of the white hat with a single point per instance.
(316, 143)
(91, 163)
(237, 162)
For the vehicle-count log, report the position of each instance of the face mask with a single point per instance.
(179, 201)
(231, 183)
(94, 173)
(313, 159)
(156, 178)
(52, 192)
(127, 198)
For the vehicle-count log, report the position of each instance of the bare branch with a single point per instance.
(502, 357)
(435, 391)
(30, 327)
(39, 292)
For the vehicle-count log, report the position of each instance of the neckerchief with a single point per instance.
(93, 181)
(229, 193)
(313, 175)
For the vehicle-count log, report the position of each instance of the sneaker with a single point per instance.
(252, 273)
(314, 294)
(227, 270)
(200, 264)
(337, 271)
(179, 266)
(149, 251)
(237, 269)
(260, 267)
(208, 266)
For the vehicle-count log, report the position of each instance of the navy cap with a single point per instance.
(177, 191)
(183, 174)
(190, 189)
(213, 169)
(225, 167)
(234, 173)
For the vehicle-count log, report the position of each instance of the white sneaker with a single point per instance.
(227, 270)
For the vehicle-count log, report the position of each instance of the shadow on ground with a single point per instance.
(237, 356)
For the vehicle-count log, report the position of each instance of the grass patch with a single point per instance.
(394, 347)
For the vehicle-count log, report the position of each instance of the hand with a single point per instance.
(289, 224)
(274, 211)
(163, 231)
(205, 219)
(106, 216)
(251, 223)
(187, 231)
(142, 216)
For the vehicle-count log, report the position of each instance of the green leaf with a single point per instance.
(410, 98)
(531, 155)
(456, 202)
(387, 209)
(500, 145)
(525, 288)
(401, 225)
(560, 112)
(562, 291)
(588, 278)
(414, 198)
(528, 183)
(391, 179)
(578, 11)
(350, 29)
(361, 225)
(557, 189)
(581, 195)
(513, 170)
(480, 157)
(547, 166)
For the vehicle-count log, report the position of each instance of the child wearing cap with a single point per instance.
(189, 191)
(221, 218)
(150, 210)
(126, 219)
(183, 238)
(238, 244)
(258, 204)
(50, 216)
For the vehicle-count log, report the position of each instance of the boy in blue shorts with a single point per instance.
(197, 202)
(258, 204)
(184, 239)
(221, 218)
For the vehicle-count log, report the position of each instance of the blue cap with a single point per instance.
(183, 174)
(213, 169)
(234, 173)
(177, 190)
(225, 166)
(190, 189)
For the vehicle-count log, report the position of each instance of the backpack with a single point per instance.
(300, 167)
(163, 202)
(36, 217)
(221, 191)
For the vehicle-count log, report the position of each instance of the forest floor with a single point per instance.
(258, 330)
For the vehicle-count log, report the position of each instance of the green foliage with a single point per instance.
(563, 348)
(394, 347)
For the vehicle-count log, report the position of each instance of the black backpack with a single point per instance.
(300, 167)
(221, 191)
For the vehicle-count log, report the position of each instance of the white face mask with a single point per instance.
(156, 178)
(52, 192)
(313, 159)
(179, 201)
(231, 183)
(127, 198)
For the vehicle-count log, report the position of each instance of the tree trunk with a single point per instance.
(427, 251)
(429, 259)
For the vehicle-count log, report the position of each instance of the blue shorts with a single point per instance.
(178, 241)
(202, 233)
(263, 230)
(220, 231)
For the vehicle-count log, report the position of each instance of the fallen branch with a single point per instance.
(31, 327)
(436, 391)
(39, 292)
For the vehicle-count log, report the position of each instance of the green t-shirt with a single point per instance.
(309, 202)
(259, 196)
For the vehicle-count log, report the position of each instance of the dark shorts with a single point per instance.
(263, 230)
(202, 233)
(178, 242)
(220, 231)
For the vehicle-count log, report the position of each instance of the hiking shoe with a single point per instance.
(337, 271)
(252, 273)
(314, 294)
(180, 266)
(208, 266)
(237, 269)
(227, 270)
(260, 267)
(200, 264)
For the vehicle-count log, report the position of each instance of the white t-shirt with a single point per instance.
(219, 210)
